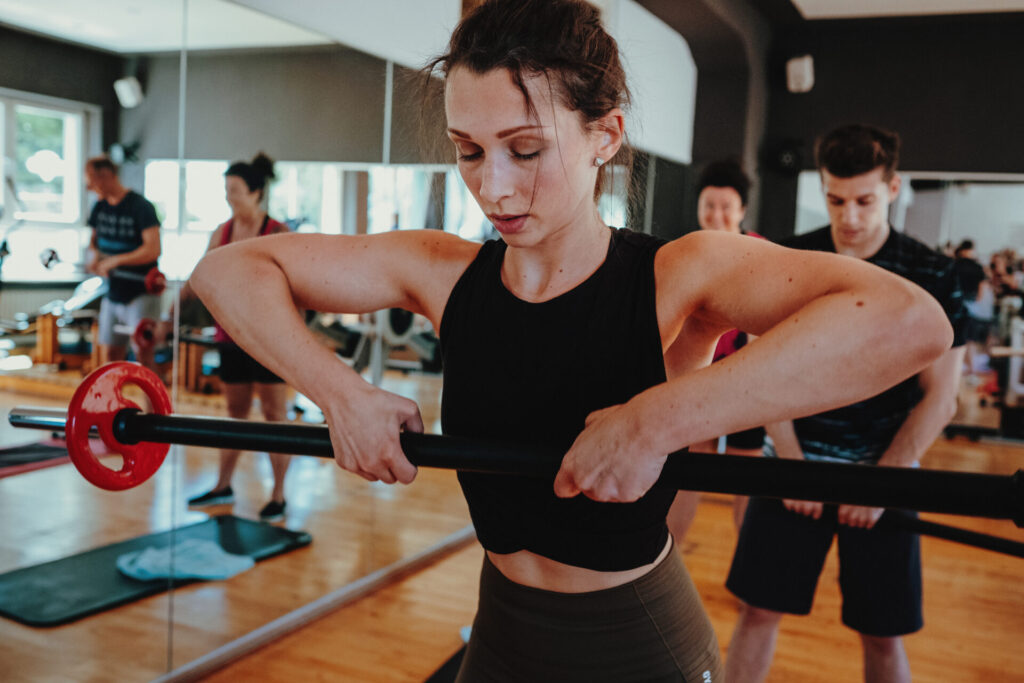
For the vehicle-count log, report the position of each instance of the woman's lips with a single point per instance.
(508, 224)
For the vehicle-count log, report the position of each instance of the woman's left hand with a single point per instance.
(859, 516)
(610, 461)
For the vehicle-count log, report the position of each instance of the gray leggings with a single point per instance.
(653, 629)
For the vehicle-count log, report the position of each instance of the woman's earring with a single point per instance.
(598, 161)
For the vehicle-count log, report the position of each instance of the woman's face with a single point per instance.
(532, 175)
(720, 208)
(239, 197)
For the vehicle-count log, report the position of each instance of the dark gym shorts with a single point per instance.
(653, 629)
(238, 367)
(747, 439)
(780, 554)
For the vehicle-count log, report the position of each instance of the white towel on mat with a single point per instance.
(192, 559)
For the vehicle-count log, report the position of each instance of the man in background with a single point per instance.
(783, 544)
(125, 246)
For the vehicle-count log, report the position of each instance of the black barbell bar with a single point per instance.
(959, 493)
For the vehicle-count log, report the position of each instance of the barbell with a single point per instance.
(143, 439)
(153, 280)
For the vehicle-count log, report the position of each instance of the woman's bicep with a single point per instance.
(753, 285)
(348, 273)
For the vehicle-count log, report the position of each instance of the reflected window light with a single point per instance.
(160, 186)
(12, 363)
(205, 203)
(462, 215)
(47, 155)
(382, 216)
(613, 205)
(811, 211)
(298, 195)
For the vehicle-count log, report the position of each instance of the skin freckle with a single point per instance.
(860, 303)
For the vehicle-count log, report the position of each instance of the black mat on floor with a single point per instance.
(73, 587)
(448, 670)
(29, 453)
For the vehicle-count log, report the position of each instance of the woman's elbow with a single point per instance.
(929, 330)
(204, 278)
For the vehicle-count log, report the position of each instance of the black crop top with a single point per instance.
(530, 373)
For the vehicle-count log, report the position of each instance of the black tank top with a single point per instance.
(530, 373)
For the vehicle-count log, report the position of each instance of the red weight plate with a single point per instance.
(155, 281)
(96, 402)
(144, 335)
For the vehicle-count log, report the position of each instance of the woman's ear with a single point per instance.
(609, 133)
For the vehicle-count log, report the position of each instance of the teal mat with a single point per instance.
(73, 587)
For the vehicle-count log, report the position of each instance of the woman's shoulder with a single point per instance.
(434, 253)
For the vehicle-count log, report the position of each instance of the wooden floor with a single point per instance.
(974, 609)
(357, 528)
(974, 602)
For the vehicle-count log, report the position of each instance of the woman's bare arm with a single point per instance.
(254, 289)
(833, 330)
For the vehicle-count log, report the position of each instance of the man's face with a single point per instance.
(858, 207)
(97, 181)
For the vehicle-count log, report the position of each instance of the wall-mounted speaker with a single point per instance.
(129, 91)
(800, 74)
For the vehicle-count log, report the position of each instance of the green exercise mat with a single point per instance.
(73, 587)
(27, 454)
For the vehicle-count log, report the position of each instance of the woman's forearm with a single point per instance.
(249, 295)
(836, 350)
(783, 436)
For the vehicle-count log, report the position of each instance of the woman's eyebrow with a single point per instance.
(502, 134)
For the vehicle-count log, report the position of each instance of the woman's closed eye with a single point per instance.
(525, 156)
(467, 153)
(473, 153)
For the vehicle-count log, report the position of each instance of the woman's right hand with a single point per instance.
(365, 423)
(808, 508)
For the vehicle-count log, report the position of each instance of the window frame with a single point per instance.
(89, 144)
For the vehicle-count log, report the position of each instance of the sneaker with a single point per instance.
(272, 511)
(215, 497)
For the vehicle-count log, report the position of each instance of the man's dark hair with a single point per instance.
(725, 173)
(102, 163)
(856, 148)
(963, 247)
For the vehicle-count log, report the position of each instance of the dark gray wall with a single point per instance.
(324, 104)
(309, 104)
(950, 86)
(49, 67)
(729, 40)
(418, 121)
(154, 123)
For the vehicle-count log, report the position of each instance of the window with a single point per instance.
(44, 142)
(47, 164)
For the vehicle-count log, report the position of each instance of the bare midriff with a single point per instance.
(530, 569)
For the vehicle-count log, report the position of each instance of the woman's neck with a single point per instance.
(557, 263)
(249, 219)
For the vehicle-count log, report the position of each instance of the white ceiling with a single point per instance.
(847, 9)
(139, 26)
